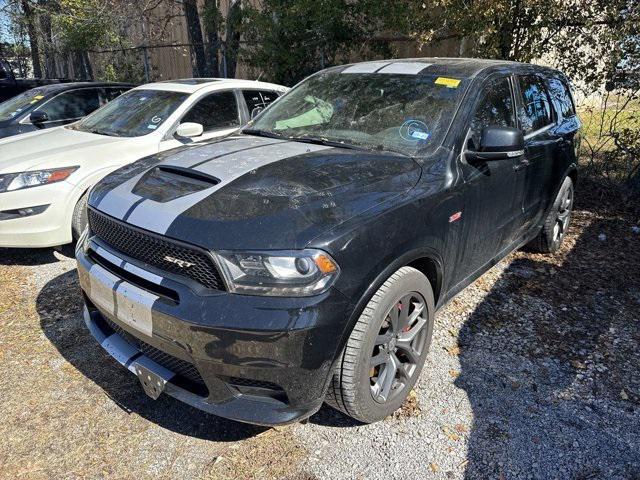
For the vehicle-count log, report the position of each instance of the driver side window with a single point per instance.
(217, 110)
(495, 109)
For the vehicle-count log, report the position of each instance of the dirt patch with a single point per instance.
(273, 454)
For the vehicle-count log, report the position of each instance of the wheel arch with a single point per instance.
(425, 260)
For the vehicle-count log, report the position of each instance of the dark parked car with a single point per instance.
(54, 105)
(10, 86)
(303, 260)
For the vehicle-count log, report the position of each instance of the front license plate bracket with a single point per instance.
(152, 382)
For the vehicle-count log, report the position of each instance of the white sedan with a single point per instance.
(45, 175)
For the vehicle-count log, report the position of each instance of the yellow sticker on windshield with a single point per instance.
(36, 99)
(448, 82)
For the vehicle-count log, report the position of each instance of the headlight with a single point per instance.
(290, 273)
(18, 181)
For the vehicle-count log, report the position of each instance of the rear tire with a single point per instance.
(557, 221)
(79, 219)
(386, 350)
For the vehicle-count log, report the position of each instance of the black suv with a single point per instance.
(303, 259)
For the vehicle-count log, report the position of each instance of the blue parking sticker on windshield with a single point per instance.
(414, 131)
(152, 127)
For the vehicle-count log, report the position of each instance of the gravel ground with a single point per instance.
(534, 372)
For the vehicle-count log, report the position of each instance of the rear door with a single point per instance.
(537, 119)
(491, 212)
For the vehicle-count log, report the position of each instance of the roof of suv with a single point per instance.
(453, 66)
(192, 85)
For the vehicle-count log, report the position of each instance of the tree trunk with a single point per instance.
(232, 37)
(50, 67)
(198, 57)
(212, 26)
(33, 38)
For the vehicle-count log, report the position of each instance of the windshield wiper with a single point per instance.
(322, 141)
(263, 133)
(328, 143)
(97, 131)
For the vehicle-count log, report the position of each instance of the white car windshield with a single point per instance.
(133, 114)
(408, 114)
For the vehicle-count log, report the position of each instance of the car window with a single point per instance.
(217, 110)
(561, 94)
(21, 104)
(536, 112)
(258, 99)
(495, 109)
(133, 114)
(70, 105)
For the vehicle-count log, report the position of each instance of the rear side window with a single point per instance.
(536, 112)
(218, 110)
(495, 109)
(72, 105)
(561, 96)
(258, 98)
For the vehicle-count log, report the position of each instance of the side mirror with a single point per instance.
(38, 117)
(256, 111)
(189, 130)
(498, 143)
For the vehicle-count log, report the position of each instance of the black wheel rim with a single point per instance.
(563, 215)
(398, 347)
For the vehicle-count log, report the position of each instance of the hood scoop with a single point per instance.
(165, 183)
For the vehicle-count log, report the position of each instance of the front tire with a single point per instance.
(386, 350)
(79, 219)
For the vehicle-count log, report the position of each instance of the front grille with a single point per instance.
(153, 250)
(178, 366)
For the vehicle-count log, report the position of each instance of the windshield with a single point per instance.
(133, 114)
(20, 104)
(408, 114)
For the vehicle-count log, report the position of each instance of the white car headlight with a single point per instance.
(290, 273)
(17, 181)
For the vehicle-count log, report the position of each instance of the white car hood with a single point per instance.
(61, 147)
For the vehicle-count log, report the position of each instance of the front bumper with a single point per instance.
(50, 228)
(262, 360)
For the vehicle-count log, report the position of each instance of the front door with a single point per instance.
(218, 114)
(492, 211)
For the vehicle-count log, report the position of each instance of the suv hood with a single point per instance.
(248, 192)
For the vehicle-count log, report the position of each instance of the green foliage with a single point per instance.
(84, 24)
(588, 39)
(288, 40)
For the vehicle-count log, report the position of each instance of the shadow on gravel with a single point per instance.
(549, 361)
(329, 417)
(32, 256)
(59, 305)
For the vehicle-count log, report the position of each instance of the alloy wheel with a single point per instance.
(398, 347)
(563, 215)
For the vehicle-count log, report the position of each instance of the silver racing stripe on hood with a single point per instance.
(119, 201)
(158, 216)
